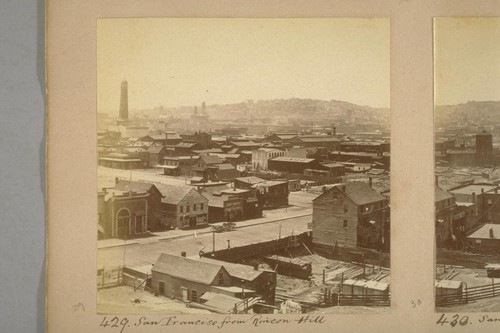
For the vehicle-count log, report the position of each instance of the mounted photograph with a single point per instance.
(467, 152)
(244, 166)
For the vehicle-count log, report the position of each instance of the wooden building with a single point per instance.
(351, 215)
(122, 161)
(183, 206)
(294, 165)
(186, 279)
(156, 154)
(270, 193)
(231, 204)
(179, 165)
(445, 207)
(485, 240)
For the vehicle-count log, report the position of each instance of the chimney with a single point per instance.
(370, 182)
(116, 180)
(476, 209)
(491, 233)
(183, 254)
(256, 266)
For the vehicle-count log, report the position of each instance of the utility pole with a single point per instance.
(213, 241)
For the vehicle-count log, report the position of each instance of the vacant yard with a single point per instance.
(123, 300)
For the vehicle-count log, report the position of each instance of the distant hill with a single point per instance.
(479, 112)
(290, 110)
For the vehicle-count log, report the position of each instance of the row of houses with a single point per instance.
(285, 151)
(130, 209)
(465, 215)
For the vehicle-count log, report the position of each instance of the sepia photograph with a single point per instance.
(243, 166)
(467, 152)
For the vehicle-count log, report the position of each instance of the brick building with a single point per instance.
(129, 210)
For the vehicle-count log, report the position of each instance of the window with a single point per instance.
(345, 224)
(194, 296)
(187, 209)
(194, 207)
(201, 206)
(221, 279)
(346, 208)
(181, 209)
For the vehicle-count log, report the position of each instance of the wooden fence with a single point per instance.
(364, 300)
(467, 295)
(109, 277)
(238, 254)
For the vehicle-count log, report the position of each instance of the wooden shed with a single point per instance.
(448, 287)
(376, 288)
(493, 270)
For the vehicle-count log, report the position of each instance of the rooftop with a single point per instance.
(132, 186)
(293, 159)
(172, 194)
(485, 232)
(359, 192)
(440, 194)
(186, 268)
(476, 188)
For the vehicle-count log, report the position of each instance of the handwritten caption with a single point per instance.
(457, 320)
(122, 323)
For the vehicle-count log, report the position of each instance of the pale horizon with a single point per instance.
(184, 62)
(467, 59)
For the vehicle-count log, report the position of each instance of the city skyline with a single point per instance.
(233, 60)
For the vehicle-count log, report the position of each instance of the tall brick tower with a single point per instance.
(124, 101)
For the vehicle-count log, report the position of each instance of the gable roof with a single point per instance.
(133, 186)
(187, 269)
(155, 149)
(173, 194)
(239, 271)
(440, 194)
(484, 232)
(226, 166)
(359, 192)
(211, 159)
(250, 180)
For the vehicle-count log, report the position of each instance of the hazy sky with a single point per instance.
(174, 62)
(467, 62)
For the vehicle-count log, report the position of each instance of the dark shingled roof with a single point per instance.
(172, 194)
(211, 159)
(359, 192)
(239, 271)
(187, 269)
